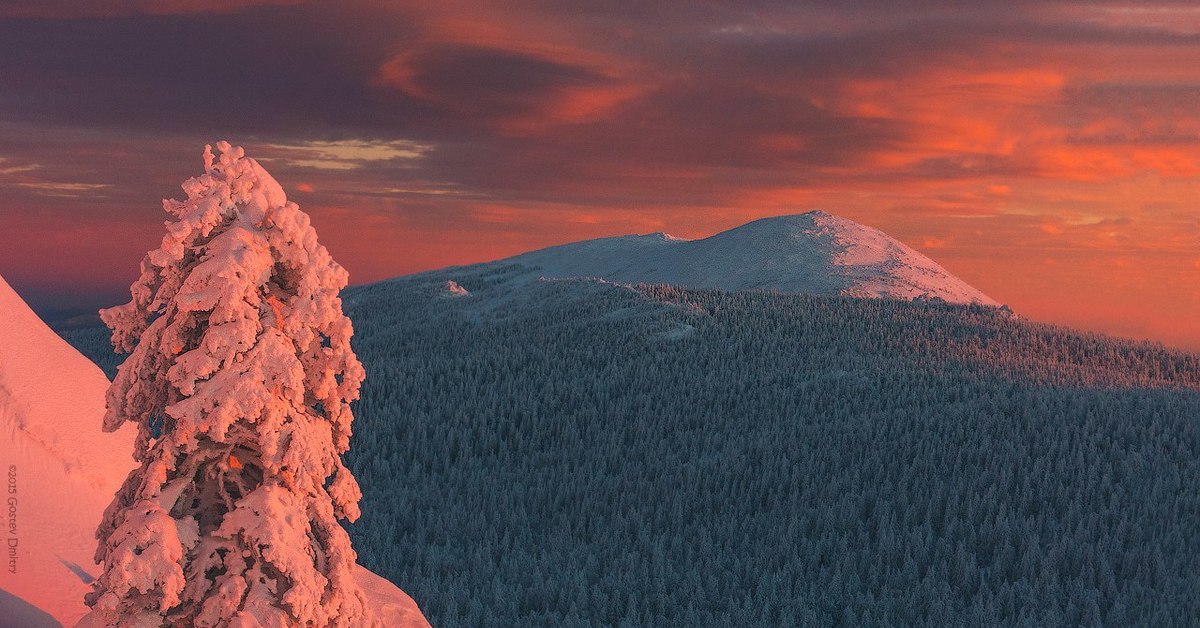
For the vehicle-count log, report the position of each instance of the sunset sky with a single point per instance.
(1046, 152)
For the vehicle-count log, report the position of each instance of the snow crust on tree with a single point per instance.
(455, 290)
(239, 380)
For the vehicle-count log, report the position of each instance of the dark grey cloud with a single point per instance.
(482, 84)
(264, 70)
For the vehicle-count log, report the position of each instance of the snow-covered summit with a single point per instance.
(815, 253)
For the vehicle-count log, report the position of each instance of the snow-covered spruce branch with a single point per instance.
(239, 378)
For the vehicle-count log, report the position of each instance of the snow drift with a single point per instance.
(62, 470)
(812, 253)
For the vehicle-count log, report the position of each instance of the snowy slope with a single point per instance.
(66, 471)
(393, 606)
(815, 253)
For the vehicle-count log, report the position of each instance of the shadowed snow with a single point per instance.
(812, 253)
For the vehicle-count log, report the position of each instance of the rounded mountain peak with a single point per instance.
(814, 252)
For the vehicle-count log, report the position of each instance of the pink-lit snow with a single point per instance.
(814, 253)
(62, 471)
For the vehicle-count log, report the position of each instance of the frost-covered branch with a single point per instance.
(239, 378)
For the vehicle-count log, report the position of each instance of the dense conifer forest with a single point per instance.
(577, 453)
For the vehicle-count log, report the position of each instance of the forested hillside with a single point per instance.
(570, 453)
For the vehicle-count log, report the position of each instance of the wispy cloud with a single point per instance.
(18, 169)
(50, 188)
(344, 154)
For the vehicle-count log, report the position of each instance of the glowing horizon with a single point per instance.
(1046, 153)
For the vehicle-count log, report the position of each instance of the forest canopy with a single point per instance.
(577, 453)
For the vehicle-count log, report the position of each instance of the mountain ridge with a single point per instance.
(810, 253)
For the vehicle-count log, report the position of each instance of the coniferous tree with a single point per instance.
(239, 378)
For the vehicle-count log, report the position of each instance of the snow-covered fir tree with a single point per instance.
(239, 378)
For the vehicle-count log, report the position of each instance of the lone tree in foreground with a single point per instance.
(239, 378)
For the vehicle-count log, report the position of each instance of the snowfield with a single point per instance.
(812, 253)
(62, 471)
